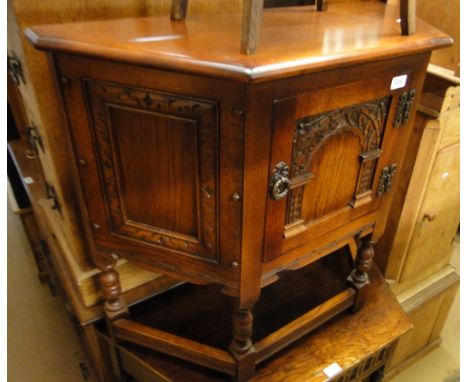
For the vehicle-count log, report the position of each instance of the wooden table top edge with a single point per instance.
(238, 67)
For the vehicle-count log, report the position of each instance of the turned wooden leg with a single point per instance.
(114, 308)
(241, 346)
(358, 277)
(114, 305)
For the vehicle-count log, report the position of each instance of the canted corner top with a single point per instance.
(293, 41)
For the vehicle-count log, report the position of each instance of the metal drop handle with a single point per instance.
(279, 183)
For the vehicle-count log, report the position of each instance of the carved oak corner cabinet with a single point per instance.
(199, 162)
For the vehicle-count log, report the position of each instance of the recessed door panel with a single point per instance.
(336, 187)
(157, 161)
(158, 169)
(331, 158)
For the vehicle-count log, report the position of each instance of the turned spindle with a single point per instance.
(359, 278)
(109, 281)
(241, 346)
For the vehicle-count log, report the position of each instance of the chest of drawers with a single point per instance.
(214, 167)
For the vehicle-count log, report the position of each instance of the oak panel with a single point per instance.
(330, 191)
(157, 159)
(157, 166)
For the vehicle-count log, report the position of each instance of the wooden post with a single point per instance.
(408, 17)
(179, 10)
(109, 280)
(241, 346)
(321, 5)
(358, 278)
(378, 375)
(114, 305)
(251, 18)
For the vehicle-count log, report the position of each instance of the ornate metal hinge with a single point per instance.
(35, 138)
(16, 69)
(386, 178)
(403, 111)
(51, 194)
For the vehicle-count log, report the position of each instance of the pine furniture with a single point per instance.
(421, 255)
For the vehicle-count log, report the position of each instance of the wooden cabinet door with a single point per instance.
(335, 144)
(438, 219)
(156, 182)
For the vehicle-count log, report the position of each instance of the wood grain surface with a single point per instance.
(343, 35)
(346, 340)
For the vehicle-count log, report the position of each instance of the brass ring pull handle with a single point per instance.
(279, 183)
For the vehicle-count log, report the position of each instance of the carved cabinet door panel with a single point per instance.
(329, 149)
(157, 170)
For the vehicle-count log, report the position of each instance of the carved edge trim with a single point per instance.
(164, 103)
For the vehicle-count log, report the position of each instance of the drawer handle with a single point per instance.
(279, 183)
(429, 217)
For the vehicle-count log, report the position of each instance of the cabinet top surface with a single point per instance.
(294, 40)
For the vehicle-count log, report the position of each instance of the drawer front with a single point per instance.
(336, 144)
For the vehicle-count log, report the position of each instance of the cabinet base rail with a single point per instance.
(221, 360)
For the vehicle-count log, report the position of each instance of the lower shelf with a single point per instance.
(203, 314)
(359, 343)
(194, 322)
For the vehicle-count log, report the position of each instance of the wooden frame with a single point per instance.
(245, 148)
(221, 360)
(252, 12)
(304, 361)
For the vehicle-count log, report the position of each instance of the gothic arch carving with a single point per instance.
(365, 120)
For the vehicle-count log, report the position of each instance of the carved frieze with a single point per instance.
(365, 120)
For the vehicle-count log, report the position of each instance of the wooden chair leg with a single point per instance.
(179, 10)
(358, 278)
(241, 346)
(378, 375)
(408, 17)
(251, 18)
(321, 5)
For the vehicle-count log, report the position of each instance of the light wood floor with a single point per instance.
(42, 346)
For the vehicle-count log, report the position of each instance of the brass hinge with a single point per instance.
(405, 103)
(386, 178)
(35, 138)
(51, 194)
(15, 69)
